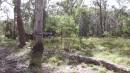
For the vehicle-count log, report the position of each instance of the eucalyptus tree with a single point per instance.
(101, 6)
(121, 13)
(28, 17)
(72, 8)
(20, 27)
(35, 65)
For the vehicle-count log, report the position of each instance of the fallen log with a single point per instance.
(90, 60)
(107, 65)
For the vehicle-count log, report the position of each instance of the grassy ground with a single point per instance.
(115, 50)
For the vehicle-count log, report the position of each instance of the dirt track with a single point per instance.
(9, 65)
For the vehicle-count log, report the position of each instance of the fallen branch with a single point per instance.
(107, 65)
(90, 60)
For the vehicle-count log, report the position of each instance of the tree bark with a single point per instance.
(38, 48)
(14, 28)
(101, 24)
(20, 27)
(102, 7)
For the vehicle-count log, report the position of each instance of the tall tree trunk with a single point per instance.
(100, 25)
(104, 16)
(20, 27)
(14, 28)
(37, 50)
(101, 21)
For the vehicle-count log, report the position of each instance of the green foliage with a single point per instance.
(107, 34)
(126, 28)
(113, 49)
(61, 23)
(7, 42)
(55, 59)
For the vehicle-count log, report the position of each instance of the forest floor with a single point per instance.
(16, 63)
(114, 50)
